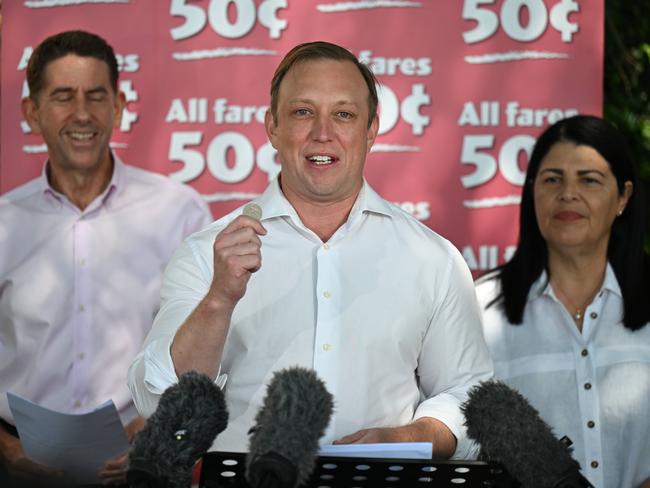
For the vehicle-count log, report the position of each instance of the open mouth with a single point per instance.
(81, 136)
(321, 160)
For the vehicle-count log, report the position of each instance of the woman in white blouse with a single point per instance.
(566, 319)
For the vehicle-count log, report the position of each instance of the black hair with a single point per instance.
(625, 252)
(81, 43)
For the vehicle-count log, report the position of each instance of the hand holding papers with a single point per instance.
(77, 444)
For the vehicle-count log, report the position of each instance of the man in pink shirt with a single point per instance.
(82, 250)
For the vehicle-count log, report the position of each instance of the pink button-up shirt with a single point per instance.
(79, 289)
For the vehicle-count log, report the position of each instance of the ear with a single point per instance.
(372, 132)
(271, 127)
(118, 107)
(30, 112)
(625, 196)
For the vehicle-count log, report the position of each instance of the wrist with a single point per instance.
(218, 303)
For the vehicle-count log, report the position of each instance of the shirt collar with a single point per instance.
(112, 189)
(275, 204)
(542, 285)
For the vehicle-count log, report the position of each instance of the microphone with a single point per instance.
(189, 416)
(510, 431)
(284, 441)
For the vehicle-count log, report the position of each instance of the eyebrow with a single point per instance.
(69, 89)
(581, 172)
(309, 100)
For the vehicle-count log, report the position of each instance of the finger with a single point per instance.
(114, 471)
(236, 238)
(116, 479)
(244, 221)
(242, 265)
(351, 438)
(114, 464)
(243, 249)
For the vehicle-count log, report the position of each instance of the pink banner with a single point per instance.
(465, 87)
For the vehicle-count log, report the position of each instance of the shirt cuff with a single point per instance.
(159, 371)
(446, 409)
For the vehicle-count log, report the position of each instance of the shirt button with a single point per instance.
(327, 294)
(327, 347)
(594, 464)
(593, 315)
(584, 352)
(81, 356)
(77, 404)
(82, 308)
(82, 262)
(591, 424)
(587, 386)
(326, 246)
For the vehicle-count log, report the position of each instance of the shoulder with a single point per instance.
(415, 234)
(20, 196)
(25, 190)
(205, 237)
(171, 198)
(156, 181)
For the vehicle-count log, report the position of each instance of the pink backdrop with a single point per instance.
(466, 86)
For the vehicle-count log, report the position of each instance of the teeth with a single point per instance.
(81, 136)
(320, 159)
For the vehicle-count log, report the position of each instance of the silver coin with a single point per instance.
(253, 211)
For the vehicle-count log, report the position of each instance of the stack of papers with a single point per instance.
(79, 445)
(398, 450)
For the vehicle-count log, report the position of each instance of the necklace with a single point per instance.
(577, 316)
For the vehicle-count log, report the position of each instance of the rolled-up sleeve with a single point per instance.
(185, 283)
(454, 354)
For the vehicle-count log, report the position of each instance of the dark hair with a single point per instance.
(625, 252)
(77, 42)
(322, 50)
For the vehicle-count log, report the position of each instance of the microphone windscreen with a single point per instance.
(295, 413)
(510, 431)
(187, 419)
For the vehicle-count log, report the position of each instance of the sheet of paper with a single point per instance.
(78, 444)
(398, 450)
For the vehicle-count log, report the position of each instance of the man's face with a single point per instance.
(321, 132)
(75, 113)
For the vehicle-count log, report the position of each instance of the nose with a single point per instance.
(568, 190)
(322, 129)
(81, 111)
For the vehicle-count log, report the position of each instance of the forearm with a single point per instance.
(424, 429)
(198, 344)
(428, 429)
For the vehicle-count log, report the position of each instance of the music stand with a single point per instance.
(227, 470)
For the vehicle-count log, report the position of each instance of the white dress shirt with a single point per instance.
(79, 289)
(384, 312)
(592, 386)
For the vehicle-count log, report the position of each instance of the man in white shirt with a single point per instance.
(82, 251)
(332, 278)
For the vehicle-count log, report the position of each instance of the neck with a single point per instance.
(80, 187)
(322, 218)
(576, 280)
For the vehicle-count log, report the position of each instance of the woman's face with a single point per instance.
(576, 198)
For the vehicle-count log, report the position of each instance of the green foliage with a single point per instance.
(627, 80)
